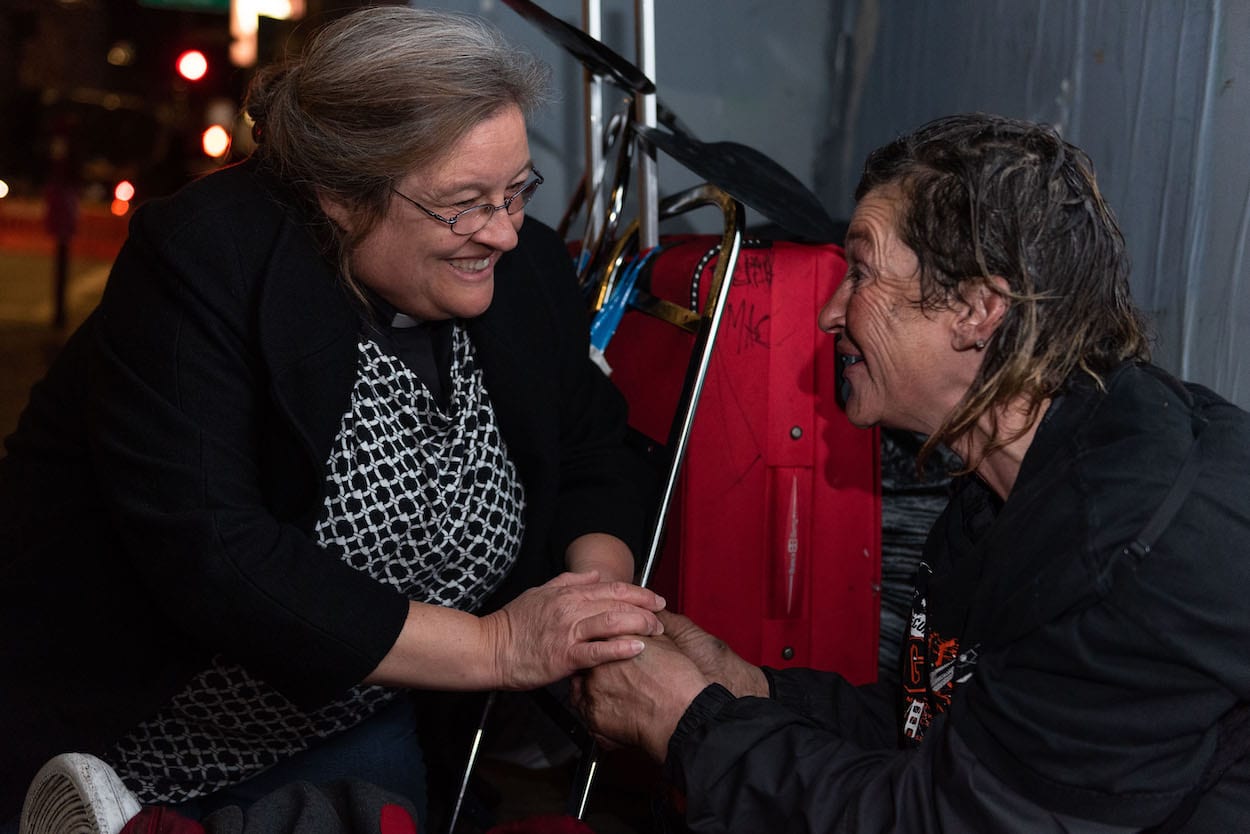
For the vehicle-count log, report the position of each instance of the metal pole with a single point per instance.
(474, 749)
(645, 114)
(592, 90)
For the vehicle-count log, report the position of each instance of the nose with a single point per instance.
(832, 317)
(500, 232)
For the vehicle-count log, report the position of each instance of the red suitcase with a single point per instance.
(773, 541)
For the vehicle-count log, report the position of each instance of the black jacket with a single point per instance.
(1098, 677)
(157, 499)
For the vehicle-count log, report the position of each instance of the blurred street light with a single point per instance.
(192, 65)
(245, 22)
(215, 141)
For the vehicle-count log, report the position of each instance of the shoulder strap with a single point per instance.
(1171, 503)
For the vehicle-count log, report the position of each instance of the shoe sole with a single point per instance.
(76, 793)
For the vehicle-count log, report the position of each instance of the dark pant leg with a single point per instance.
(383, 750)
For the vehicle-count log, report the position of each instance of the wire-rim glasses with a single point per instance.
(474, 219)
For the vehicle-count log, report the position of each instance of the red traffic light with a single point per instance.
(192, 65)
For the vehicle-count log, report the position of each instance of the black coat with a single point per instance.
(1100, 675)
(157, 500)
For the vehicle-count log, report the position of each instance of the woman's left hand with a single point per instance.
(573, 622)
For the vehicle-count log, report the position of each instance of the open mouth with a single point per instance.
(472, 265)
(842, 387)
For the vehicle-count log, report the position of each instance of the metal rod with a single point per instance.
(592, 89)
(591, 765)
(468, 768)
(648, 180)
(705, 342)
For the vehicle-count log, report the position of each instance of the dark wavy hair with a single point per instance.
(990, 196)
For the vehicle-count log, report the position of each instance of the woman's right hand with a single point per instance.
(569, 623)
(714, 658)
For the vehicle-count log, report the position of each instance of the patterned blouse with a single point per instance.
(420, 494)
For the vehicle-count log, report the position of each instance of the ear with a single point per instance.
(336, 211)
(984, 305)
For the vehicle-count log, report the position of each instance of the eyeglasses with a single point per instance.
(472, 220)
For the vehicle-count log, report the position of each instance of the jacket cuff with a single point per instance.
(702, 709)
(794, 691)
(772, 683)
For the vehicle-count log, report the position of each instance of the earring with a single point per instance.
(980, 344)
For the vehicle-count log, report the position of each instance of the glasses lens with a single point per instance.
(521, 198)
(472, 220)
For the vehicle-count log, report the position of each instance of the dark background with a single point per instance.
(100, 75)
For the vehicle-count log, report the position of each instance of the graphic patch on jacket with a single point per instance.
(933, 665)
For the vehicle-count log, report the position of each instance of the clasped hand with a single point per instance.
(639, 701)
(570, 623)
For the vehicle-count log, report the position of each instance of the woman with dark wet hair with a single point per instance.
(1075, 660)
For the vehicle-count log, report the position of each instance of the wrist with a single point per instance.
(443, 649)
(496, 631)
(751, 683)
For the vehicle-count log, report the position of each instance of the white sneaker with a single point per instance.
(76, 793)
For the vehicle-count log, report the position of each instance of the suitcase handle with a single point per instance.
(731, 236)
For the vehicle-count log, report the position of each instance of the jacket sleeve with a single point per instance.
(755, 764)
(865, 715)
(1071, 728)
(180, 399)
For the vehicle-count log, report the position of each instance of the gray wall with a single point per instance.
(1157, 91)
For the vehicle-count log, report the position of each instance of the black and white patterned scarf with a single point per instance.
(422, 499)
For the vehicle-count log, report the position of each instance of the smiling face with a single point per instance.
(906, 367)
(417, 263)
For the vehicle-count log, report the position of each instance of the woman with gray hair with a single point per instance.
(331, 435)
(1075, 660)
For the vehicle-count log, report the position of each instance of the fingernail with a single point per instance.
(637, 646)
(660, 600)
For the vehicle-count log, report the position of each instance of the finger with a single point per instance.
(587, 655)
(570, 579)
(626, 592)
(617, 622)
(676, 623)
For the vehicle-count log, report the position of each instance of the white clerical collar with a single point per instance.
(403, 320)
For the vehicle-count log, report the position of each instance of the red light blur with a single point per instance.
(192, 65)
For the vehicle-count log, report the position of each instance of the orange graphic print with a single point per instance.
(932, 667)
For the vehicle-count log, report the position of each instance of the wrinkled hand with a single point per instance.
(572, 622)
(638, 702)
(713, 657)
